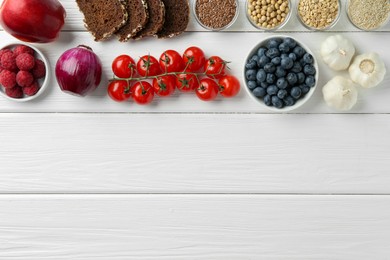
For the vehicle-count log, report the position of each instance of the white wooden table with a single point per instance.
(88, 178)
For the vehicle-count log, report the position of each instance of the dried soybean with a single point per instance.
(267, 14)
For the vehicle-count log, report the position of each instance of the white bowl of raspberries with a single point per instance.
(23, 72)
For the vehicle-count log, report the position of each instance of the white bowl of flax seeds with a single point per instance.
(215, 15)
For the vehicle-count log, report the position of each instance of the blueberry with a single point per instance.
(299, 51)
(276, 60)
(259, 92)
(261, 51)
(254, 58)
(264, 84)
(310, 81)
(286, 63)
(273, 43)
(269, 67)
(280, 72)
(250, 74)
(251, 64)
(272, 90)
(296, 92)
(292, 78)
(308, 58)
(290, 42)
(271, 78)
(297, 67)
(292, 56)
(309, 69)
(261, 76)
(262, 61)
(304, 88)
(289, 101)
(281, 83)
(277, 102)
(282, 93)
(301, 77)
(267, 100)
(283, 55)
(284, 48)
(251, 84)
(272, 53)
(302, 62)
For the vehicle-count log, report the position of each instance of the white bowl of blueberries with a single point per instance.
(280, 73)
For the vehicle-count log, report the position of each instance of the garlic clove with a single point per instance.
(337, 52)
(340, 93)
(367, 70)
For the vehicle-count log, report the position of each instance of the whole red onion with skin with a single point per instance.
(78, 71)
(32, 20)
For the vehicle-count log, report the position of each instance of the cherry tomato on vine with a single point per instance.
(194, 58)
(171, 61)
(186, 82)
(142, 92)
(123, 66)
(119, 90)
(215, 67)
(148, 66)
(208, 89)
(229, 86)
(164, 85)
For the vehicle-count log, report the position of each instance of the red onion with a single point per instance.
(78, 71)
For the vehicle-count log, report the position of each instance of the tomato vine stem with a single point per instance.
(197, 74)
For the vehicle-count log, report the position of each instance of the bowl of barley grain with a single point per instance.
(319, 15)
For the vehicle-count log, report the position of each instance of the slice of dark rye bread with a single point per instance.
(103, 17)
(177, 15)
(156, 19)
(138, 17)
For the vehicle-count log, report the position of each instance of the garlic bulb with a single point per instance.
(368, 70)
(340, 93)
(337, 52)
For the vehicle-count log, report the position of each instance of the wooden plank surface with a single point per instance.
(194, 153)
(88, 178)
(185, 227)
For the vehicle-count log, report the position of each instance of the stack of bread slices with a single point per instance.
(134, 19)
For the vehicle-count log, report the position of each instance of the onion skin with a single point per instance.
(78, 71)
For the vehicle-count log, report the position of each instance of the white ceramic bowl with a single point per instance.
(42, 82)
(300, 101)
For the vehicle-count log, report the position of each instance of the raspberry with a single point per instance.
(32, 89)
(39, 70)
(8, 79)
(25, 61)
(23, 49)
(2, 51)
(15, 92)
(8, 61)
(24, 78)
